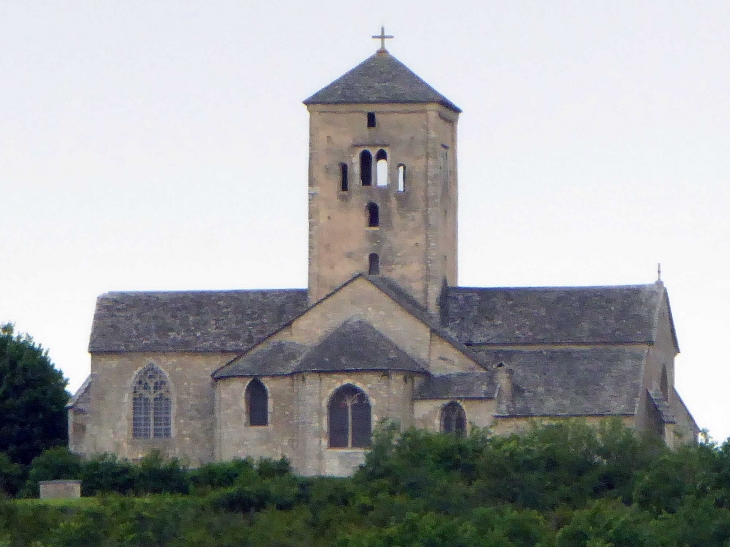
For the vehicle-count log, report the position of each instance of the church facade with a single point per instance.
(383, 331)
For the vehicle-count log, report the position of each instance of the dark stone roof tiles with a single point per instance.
(272, 359)
(552, 315)
(381, 78)
(196, 321)
(601, 381)
(352, 346)
(357, 346)
(460, 385)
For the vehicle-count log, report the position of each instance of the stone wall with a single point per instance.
(416, 238)
(60, 489)
(109, 428)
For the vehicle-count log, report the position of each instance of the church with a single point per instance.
(382, 331)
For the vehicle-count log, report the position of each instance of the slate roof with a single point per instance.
(600, 381)
(379, 79)
(198, 321)
(552, 315)
(353, 346)
(273, 359)
(460, 385)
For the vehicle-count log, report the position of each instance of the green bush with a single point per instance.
(106, 473)
(53, 464)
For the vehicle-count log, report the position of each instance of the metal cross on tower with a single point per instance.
(383, 37)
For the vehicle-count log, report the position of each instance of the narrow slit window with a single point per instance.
(373, 264)
(371, 119)
(401, 178)
(366, 168)
(343, 177)
(381, 168)
(373, 215)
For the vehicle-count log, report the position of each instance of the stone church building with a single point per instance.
(382, 331)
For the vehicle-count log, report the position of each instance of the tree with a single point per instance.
(32, 398)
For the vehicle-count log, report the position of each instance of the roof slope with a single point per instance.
(460, 385)
(273, 359)
(601, 381)
(353, 346)
(379, 79)
(552, 315)
(357, 346)
(197, 321)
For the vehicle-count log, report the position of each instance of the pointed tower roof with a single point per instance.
(379, 79)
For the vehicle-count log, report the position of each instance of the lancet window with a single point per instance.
(151, 405)
(349, 418)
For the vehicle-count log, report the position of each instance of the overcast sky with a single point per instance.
(163, 145)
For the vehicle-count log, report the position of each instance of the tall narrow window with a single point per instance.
(349, 418)
(401, 178)
(257, 403)
(445, 174)
(366, 168)
(373, 215)
(343, 177)
(371, 119)
(373, 264)
(453, 419)
(151, 405)
(381, 168)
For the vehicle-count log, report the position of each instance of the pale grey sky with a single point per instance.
(163, 145)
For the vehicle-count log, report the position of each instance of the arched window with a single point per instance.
(257, 403)
(381, 168)
(343, 177)
(373, 215)
(151, 405)
(453, 419)
(373, 264)
(371, 119)
(366, 168)
(401, 178)
(349, 418)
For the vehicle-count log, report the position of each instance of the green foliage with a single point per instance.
(212, 476)
(11, 476)
(155, 475)
(106, 473)
(54, 463)
(32, 398)
(563, 485)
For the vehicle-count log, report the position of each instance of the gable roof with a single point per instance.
(353, 346)
(199, 321)
(599, 381)
(380, 78)
(552, 315)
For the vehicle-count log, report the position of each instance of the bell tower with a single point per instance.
(382, 181)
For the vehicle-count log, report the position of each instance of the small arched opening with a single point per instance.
(373, 264)
(401, 178)
(373, 215)
(366, 168)
(371, 119)
(381, 168)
